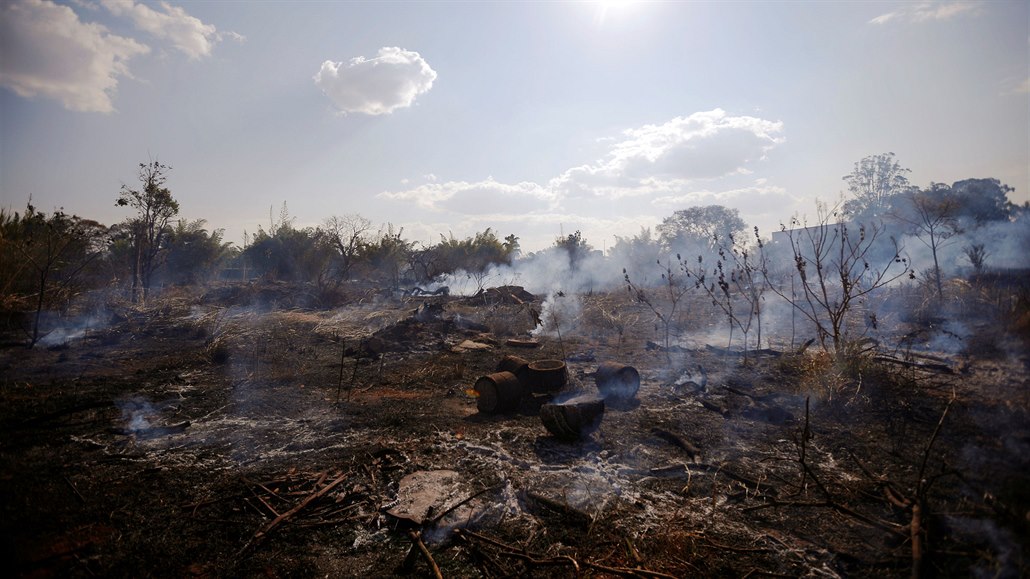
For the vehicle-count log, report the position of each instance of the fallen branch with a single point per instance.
(535, 560)
(917, 365)
(262, 533)
(417, 539)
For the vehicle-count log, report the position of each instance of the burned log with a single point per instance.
(573, 419)
(498, 393)
(617, 382)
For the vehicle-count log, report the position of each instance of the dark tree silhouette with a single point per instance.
(154, 207)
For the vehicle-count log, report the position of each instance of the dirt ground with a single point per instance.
(210, 435)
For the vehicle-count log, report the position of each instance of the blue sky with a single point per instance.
(531, 118)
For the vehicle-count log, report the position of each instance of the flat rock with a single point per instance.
(425, 494)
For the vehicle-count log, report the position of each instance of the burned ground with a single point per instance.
(212, 435)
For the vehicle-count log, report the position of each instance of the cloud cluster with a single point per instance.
(479, 198)
(926, 11)
(699, 159)
(186, 33)
(663, 158)
(50, 52)
(376, 86)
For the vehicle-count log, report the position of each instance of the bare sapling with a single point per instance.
(740, 275)
(839, 265)
(674, 286)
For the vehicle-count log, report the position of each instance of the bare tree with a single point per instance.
(346, 233)
(740, 275)
(931, 213)
(839, 264)
(154, 207)
(675, 286)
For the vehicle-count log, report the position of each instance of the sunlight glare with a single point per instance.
(611, 7)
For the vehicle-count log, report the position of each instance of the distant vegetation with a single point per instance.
(884, 230)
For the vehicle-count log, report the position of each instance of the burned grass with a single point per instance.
(198, 437)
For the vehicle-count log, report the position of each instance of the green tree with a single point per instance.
(194, 253)
(696, 228)
(575, 246)
(42, 258)
(386, 254)
(154, 207)
(979, 201)
(872, 184)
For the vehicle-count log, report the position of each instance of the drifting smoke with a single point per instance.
(65, 330)
(559, 313)
(137, 413)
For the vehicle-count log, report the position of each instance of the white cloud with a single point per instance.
(187, 33)
(1023, 87)
(479, 198)
(646, 173)
(48, 51)
(756, 200)
(926, 11)
(376, 86)
(655, 158)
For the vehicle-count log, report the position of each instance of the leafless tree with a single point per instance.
(839, 264)
(931, 213)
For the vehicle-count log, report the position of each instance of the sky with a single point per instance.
(532, 118)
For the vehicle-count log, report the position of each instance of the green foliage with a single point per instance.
(154, 207)
(872, 184)
(288, 254)
(44, 259)
(641, 248)
(194, 253)
(385, 256)
(695, 228)
(576, 247)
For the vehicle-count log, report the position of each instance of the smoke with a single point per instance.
(559, 313)
(64, 330)
(137, 413)
(1004, 241)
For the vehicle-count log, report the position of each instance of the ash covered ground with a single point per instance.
(237, 431)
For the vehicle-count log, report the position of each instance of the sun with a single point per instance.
(611, 8)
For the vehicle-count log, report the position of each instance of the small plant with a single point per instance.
(674, 286)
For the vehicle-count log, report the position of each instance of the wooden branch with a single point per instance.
(264, 531)
(536, 561)
(417, 539)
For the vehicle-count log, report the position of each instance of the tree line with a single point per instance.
(48, 259)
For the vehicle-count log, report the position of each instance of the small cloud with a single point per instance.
(1022, 88)
(187, 33)
(927, 11)
(376, 86)
(429, 177)
(49, 52)
(477, 198)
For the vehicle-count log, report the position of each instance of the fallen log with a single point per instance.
(917, 365)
